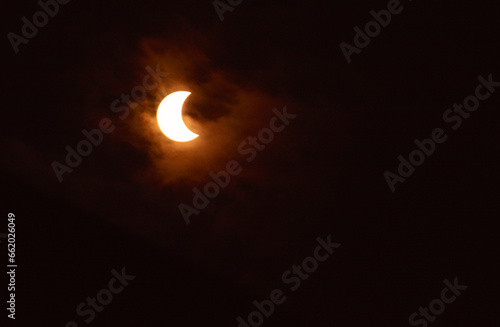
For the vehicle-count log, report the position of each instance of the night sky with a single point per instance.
(322, 176)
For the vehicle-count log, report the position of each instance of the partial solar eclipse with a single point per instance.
(170, 120)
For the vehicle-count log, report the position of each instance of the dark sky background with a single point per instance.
(322, 175)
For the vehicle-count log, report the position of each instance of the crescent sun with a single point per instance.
(170, 120)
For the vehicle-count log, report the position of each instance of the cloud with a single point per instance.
(223, 111)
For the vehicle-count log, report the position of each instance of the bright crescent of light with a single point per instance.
(170, 120)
